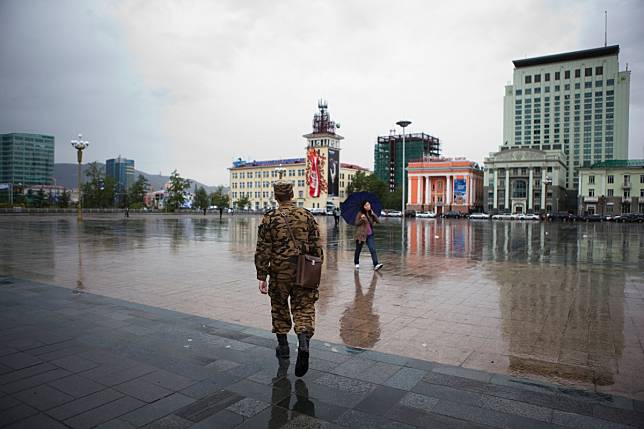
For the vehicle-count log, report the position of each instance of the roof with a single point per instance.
(352, 166)
(619, 163)
(272, 162)
(567, 56)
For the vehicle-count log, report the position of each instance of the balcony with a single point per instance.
(626, 185)
(591, 199)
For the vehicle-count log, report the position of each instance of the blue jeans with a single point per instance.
(372, 249)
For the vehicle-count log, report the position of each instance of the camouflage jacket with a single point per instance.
(276, 253)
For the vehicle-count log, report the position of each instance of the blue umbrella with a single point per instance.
(353, 204)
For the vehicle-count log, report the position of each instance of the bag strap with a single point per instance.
(290, 231)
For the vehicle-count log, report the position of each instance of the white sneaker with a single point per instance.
(357, 266)
(377, 267)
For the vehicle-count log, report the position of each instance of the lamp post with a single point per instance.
(403, 125)
(547, 181)
(79, 145)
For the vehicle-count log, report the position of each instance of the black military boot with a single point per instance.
(282, 351)
(302, 363)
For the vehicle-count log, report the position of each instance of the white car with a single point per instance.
(502, 217)
(426, 215)
(531, 216)
(479, 216)
(318, 211)
(392, 213)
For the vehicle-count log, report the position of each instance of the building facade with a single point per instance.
(26, 159)
(612, 188)
(573, 102)
(445, 184)
(388, 155)
(522, 180)
(320, 180)
(122, 171)
(255, 179)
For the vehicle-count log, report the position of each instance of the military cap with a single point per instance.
(282, 188)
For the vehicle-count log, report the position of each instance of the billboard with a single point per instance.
(315, 164)
(333, 173)
(460, 190)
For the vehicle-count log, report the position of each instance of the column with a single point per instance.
(530, 186)
(419, 191)
(428, 190)
(496, 188)
(448, 194)
(408, 190)
(543, 188)
(507, 189)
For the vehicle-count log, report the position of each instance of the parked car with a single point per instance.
(631, 218)
(593, 218)
(391, 213)
(475, 216)
(530, 216)
(318, 211)
(562, 216)
(426, 215)
(502, 216)
(452, 215)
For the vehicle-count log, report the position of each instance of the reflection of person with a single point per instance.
(359, 325)
(364, 233)
(276, 256)
(281, 385)
(336, 216)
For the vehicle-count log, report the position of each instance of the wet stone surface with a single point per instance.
(479, 307)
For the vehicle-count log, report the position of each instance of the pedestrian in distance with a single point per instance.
(276, 258)
(364, 222)
(336, 216)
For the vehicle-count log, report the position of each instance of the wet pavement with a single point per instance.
(558, 302)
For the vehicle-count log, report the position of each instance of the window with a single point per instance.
(537, 78)
(627, 179)
(567, 74)
(591, 180)
(599, 70)
(611, 179)
(519, 189)
(588, 71)
(577, 85)
(528, 79)
(518, 92)
(588, 85)
(591, 192)
(557, 75)
(627, 193)
(599, 84)
(611, 192)
(641, 178)
(547, 77)
(610, 82)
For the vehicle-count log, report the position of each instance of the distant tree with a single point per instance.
(137, 192)
(220, 200)
(201, 200)
(176, 191)
(63, 200)
(98, 191)
(243, 202)
(40, 199)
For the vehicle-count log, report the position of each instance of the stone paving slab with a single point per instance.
(62, 367)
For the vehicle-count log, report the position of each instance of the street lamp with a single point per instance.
(547, 181)
(403, 125)
(79, 145)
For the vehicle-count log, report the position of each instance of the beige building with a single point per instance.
(612, 188)
(254, 179)
(320, 180)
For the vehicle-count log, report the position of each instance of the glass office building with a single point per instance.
(26, 159)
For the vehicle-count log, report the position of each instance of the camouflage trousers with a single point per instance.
(302, 306)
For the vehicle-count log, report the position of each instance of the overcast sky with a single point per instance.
(192, 85)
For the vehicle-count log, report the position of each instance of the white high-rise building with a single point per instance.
(574, 102)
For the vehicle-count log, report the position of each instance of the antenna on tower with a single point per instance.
(605, 28)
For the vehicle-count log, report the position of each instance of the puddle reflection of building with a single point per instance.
(439, 237)
(28, 248)
(563, 319)
(360, 325)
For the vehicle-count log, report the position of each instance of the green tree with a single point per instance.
(63, 200)
(201, 200)
(98, 191)
(243, 202)
(40, 199)
(177, 191)
(137, 192)
(220, 200)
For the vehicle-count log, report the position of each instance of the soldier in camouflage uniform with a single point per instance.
(276, 257)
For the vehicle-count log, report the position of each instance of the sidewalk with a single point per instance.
(83, 361)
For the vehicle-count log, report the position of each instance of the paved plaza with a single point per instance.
(157, 320)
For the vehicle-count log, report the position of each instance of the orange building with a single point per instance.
(444, 184)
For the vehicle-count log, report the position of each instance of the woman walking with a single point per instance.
(364, 222)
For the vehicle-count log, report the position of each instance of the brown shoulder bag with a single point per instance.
(309, 267)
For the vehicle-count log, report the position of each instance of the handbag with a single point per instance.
(309, 267)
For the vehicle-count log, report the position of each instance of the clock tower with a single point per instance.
(322, 161)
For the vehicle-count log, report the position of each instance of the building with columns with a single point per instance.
(444, 184)
(522, 180)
